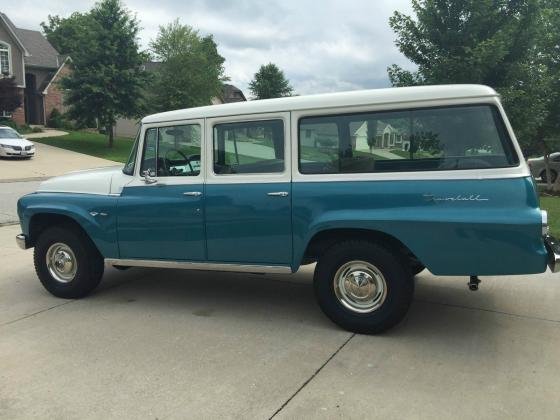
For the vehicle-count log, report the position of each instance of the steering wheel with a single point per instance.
(167, 161)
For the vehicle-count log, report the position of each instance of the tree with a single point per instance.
(107, 80)
(65, 34)
(191, 71)
(474, 41)
(10, 99)
(548, 57)
(506, 44)
(270, 82)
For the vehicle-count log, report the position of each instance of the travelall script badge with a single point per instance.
(459, 197)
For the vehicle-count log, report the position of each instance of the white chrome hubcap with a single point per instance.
(61, 262)
(360, 286)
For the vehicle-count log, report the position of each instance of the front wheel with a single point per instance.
(363, 287)
(67, 262)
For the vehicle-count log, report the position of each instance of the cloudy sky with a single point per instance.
(322, 46)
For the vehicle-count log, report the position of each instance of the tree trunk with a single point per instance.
(109, 130)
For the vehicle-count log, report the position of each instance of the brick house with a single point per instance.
(36, 66)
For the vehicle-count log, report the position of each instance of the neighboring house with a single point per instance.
(36, 66)
(386, 137)
(326, 136)
(230, 94)
(128, 127)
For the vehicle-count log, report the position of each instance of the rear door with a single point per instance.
(248, 189)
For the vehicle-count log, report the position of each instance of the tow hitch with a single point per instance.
(473, 283)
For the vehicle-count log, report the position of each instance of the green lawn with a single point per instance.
(93, 144)
(552, 206)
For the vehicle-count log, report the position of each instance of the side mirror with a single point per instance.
(148, 178)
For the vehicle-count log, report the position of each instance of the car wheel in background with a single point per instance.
(553, 176)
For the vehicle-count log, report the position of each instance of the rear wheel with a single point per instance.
(67, 262)
(363, 287)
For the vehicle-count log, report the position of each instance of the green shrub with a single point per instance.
(56, 119)
(24, 129)
(37, 130)
(9, 123)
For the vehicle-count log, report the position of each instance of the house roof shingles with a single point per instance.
(42, 53)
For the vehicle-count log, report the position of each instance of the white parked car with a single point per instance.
(12, 144)
(538, 169)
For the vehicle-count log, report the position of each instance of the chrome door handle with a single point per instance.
(193, 193)
(278, 194)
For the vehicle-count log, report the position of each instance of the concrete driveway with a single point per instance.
(20, 176)
(177, 344)
(49, 161)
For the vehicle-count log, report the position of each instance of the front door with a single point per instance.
(161, 216)
(248, 190)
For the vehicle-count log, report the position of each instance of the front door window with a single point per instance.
(172, 151)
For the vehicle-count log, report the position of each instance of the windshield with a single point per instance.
(8, 133)
(129, 167)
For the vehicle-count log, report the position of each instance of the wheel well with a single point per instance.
(325, 239)
(40, 222)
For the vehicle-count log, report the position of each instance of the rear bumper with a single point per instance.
(553, 248)
(22, 242)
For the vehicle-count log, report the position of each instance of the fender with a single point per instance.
(96, 214)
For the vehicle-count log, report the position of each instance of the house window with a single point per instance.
(5, 68)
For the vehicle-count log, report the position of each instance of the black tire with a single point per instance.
(553, 176)
(90, 263)
(417, 268)
(395, 271)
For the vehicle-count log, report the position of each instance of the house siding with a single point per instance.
(16, 55)
(125, 127)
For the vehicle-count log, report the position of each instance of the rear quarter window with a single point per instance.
(430, 139)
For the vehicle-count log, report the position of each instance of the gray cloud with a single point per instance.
(321, 46)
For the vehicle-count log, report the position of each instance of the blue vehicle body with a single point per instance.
(454, 227)
(432, 172)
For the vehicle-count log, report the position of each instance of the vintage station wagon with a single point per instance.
(372, 186)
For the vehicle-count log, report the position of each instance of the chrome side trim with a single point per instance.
(188, 265)
(21, 241)
(553, 247)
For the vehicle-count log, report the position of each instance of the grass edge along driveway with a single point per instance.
(93, 144)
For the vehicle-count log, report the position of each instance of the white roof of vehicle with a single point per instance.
(328, 100)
